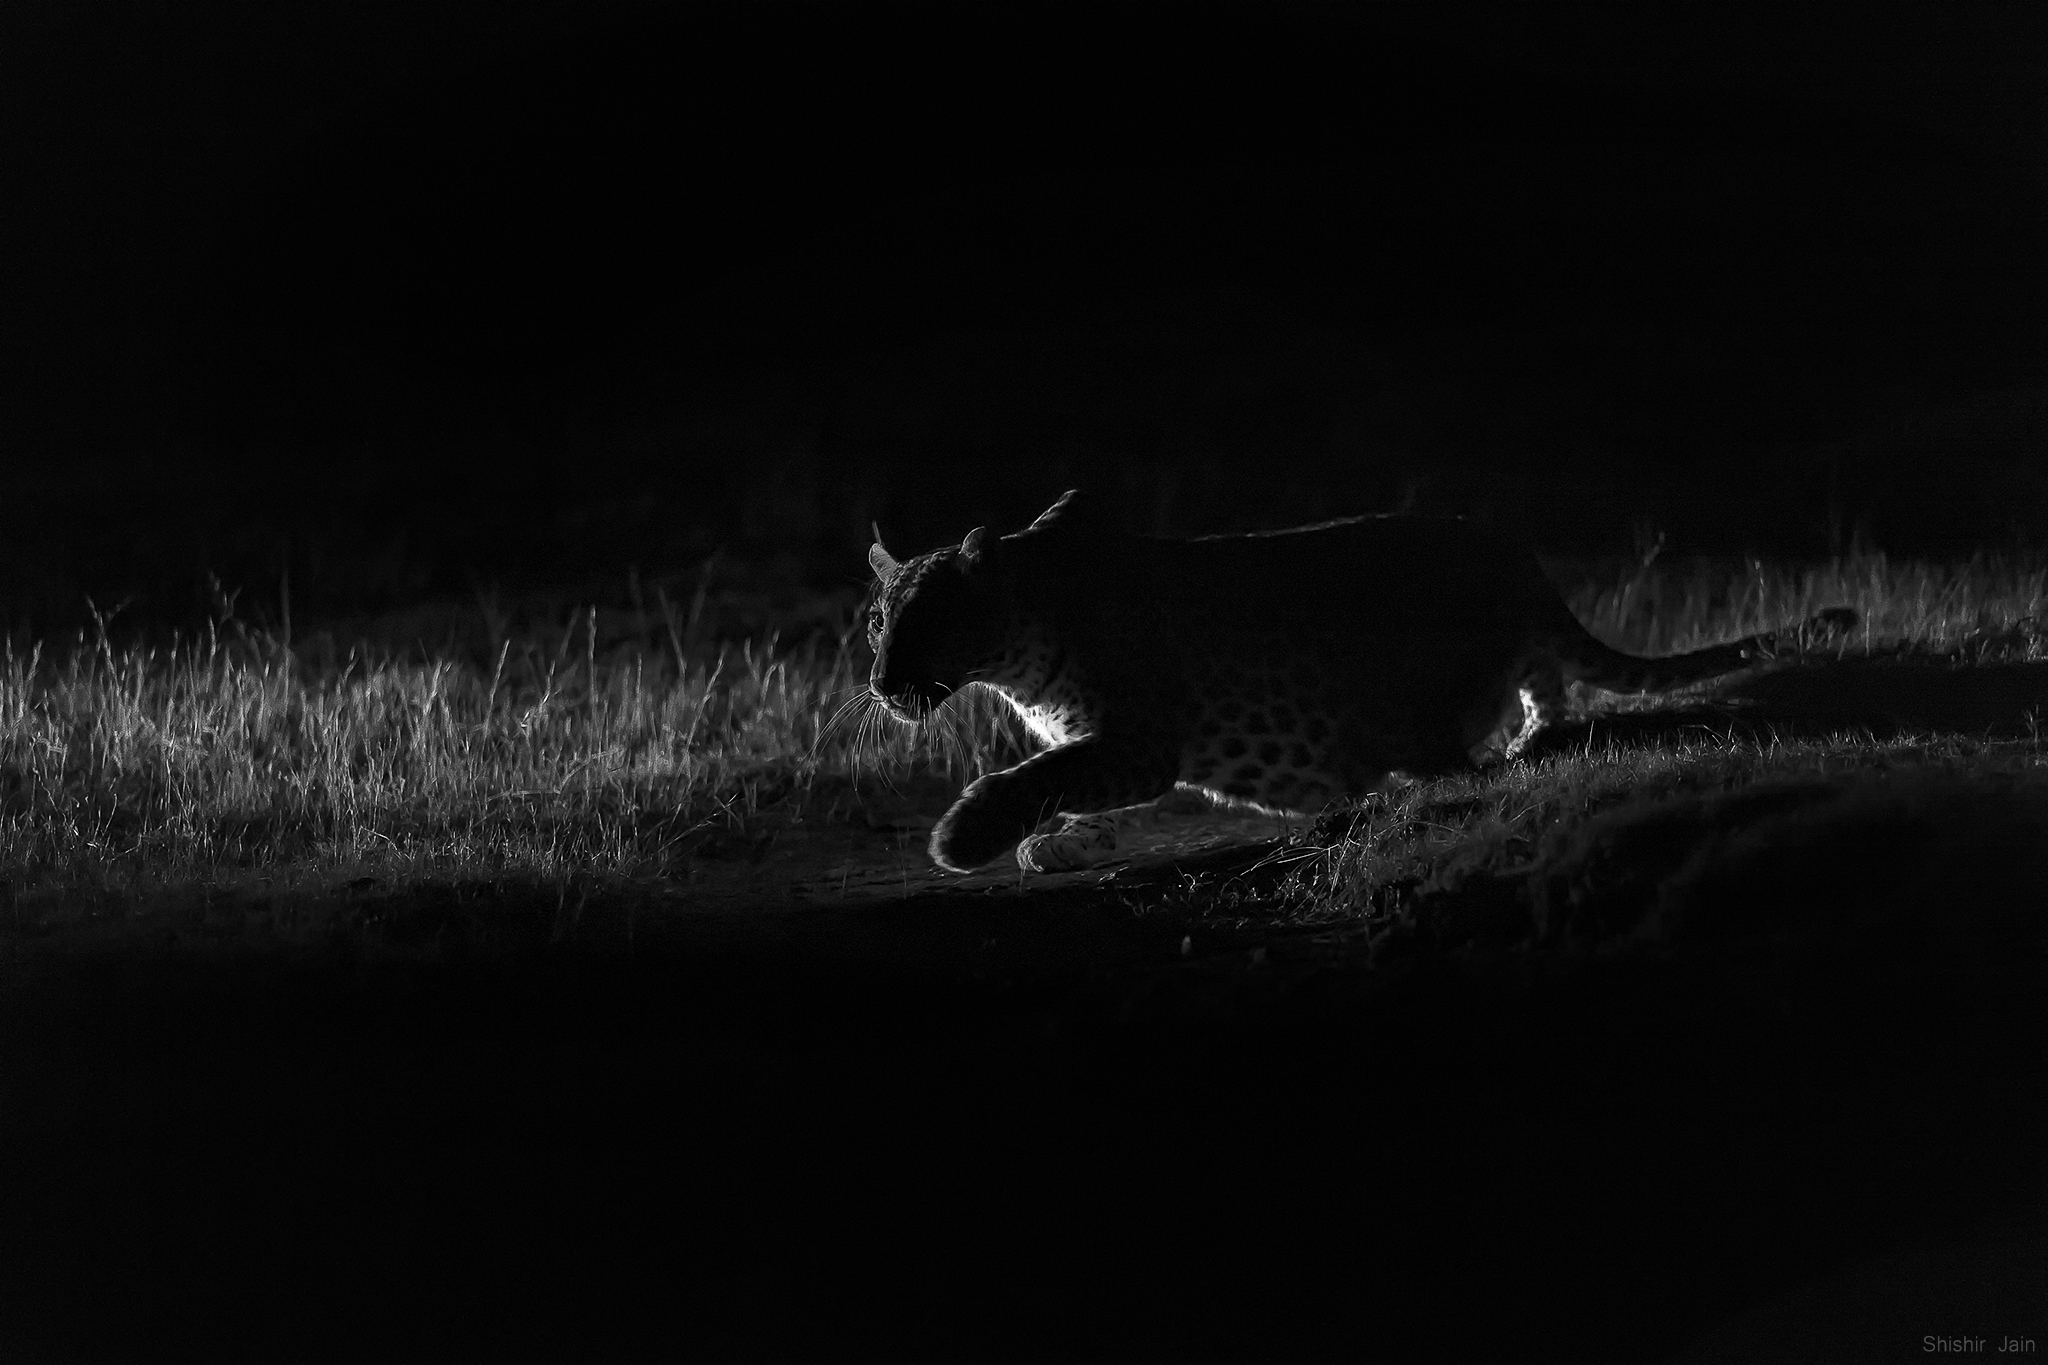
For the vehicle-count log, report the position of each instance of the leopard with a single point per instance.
(1281, 672)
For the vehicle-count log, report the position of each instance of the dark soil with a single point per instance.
(975, 1121)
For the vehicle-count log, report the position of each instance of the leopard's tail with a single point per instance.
(1586, 660)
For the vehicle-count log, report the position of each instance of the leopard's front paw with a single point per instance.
(965, 838)
(1080, 841)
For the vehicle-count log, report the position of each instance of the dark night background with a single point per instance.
(412, 300)
(416, 296)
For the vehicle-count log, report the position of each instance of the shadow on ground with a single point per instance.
(971, 1122)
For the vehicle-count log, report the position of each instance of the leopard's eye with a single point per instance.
(875, 621)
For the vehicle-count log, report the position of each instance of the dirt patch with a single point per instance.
(475, 1118)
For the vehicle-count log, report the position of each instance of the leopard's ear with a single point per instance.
(879, 559)
(970, 548)
(1071, 508)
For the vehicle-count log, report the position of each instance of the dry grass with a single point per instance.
(127, 769)
(1664, 608)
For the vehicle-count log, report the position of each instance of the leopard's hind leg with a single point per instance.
(1543, 704)
(1532, 699)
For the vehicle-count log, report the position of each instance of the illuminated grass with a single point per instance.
(123, 769)
(1654, 608)
(579, 748)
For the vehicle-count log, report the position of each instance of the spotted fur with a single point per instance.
(1282, 671)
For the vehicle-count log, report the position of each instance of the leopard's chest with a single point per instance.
(1055, 706)
(1051, 725)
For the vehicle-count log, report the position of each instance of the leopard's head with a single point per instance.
(955, 616)
(935, 622)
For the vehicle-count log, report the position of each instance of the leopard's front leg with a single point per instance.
(1001, 808)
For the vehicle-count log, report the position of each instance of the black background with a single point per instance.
(613, 284)
(415, 297)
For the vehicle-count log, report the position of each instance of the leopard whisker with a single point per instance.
(838, 718)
